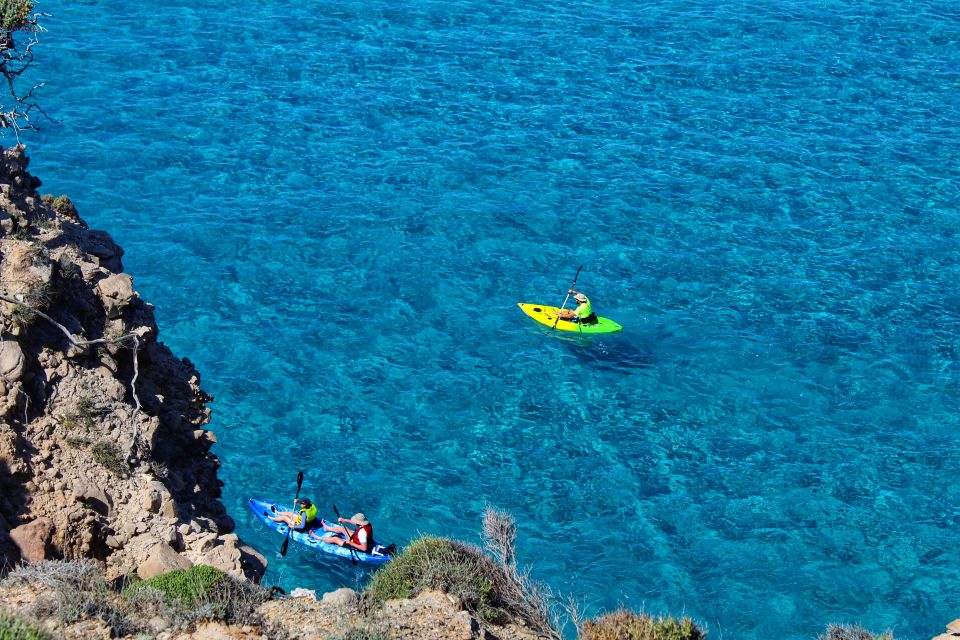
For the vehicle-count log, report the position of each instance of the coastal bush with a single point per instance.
(626, 625)
(182, 586)
(77, 590)
(14, 13)
(108, 455)
(18, 15)
(14, 629)
(201, 592)
(63, 205)
(852, 632)
(453, 567)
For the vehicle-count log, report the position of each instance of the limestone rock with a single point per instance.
(240, 561)
(32, 539)
(161, 560)
(953, 631)
(116, 292)
(12, 363)
(343, 597)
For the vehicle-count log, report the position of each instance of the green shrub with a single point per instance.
(625, 625)
(108, 454)
(852, 632)
(63, 205)
(13, 629)
(77, 442)
(185, 596)
(453, 567)
(14, 13)
(182, 586)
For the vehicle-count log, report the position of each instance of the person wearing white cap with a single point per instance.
(360, 538)
(584, 311)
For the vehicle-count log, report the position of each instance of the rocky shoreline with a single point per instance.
(70, 418)
(104, 454)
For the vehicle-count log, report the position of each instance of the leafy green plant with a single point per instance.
(626, 625)
(15, 629)
(108, 455)
(183, 586)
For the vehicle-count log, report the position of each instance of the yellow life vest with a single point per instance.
(310, 513)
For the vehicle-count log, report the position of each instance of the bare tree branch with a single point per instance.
(82, 344)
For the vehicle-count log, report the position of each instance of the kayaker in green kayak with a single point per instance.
(302, 519)
(583, 313)
(360, 539)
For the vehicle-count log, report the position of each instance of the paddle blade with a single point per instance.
(286, 543)
(335, 510)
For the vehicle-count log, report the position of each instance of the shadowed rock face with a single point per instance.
(80, 467)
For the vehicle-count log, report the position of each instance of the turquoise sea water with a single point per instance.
(336, 206)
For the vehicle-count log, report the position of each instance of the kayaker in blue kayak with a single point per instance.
(583, 313)
(301, 520)
(360, 539)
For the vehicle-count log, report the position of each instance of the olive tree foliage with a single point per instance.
(19, 27)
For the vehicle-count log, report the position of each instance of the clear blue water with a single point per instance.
(336, 206)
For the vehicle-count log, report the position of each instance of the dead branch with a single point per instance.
(82, 344)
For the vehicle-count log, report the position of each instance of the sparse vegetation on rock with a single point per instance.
(12, 628)
(490, 586)
(626, 625)
(852, 632)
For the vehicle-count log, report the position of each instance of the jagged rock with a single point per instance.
(101, 245)
(116, 292)
(150, 500)
(237, 560)
(253, 562)
(12, 363)
(32, 539)
(162, 559)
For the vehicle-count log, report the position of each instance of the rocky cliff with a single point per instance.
(103, 450)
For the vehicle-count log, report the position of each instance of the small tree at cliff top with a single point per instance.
(19, 26)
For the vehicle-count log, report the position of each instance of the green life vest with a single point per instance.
(584, 310)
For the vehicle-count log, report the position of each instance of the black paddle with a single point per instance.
(353, 552)
(286, 541)
(567, 298)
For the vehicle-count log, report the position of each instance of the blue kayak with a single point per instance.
(262, 510)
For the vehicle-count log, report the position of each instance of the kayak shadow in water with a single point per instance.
(616, 352)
